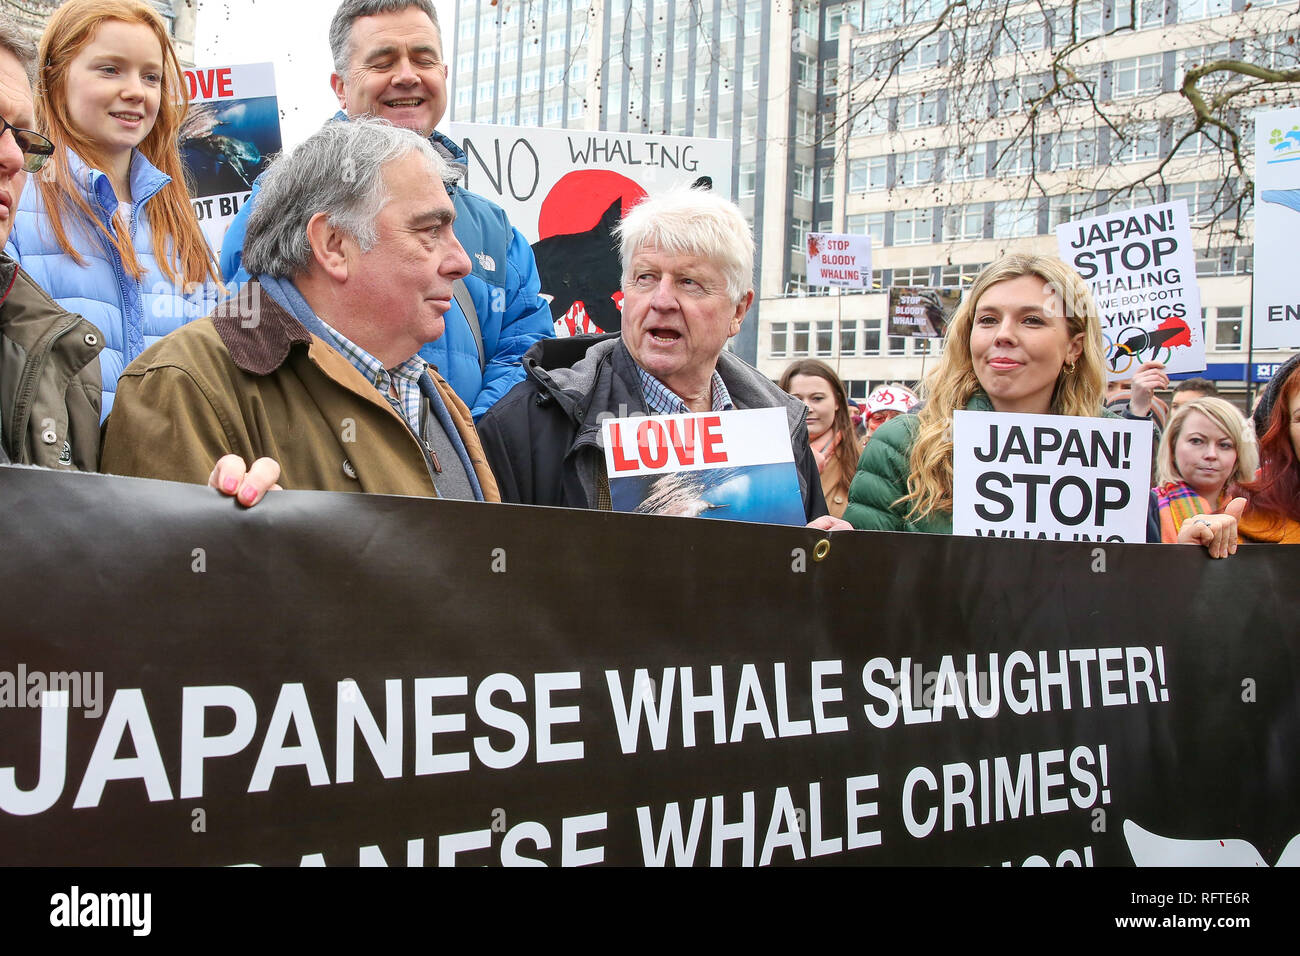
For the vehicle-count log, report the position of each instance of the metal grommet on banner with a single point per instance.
(92, 339)
(822, 549)
(49, 436)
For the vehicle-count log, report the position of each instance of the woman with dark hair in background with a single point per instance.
(830, 429)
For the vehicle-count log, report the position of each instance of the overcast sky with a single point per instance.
(247, 31)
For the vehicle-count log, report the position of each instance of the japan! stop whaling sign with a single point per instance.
(1140, 266)
(839, 259)
(1276, 322)
(1050, 476)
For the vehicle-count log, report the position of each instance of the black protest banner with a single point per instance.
(346, 679)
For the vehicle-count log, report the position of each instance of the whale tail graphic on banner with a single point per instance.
(1151, 849)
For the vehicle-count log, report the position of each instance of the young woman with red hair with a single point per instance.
(1274, 510)
(107, 228)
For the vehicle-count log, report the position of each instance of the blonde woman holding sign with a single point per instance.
(1206, 449)
(1026, 339)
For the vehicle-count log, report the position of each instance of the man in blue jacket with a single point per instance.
(388, 63)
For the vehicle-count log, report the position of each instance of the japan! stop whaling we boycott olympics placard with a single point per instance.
(519, 689)
(1141, 270)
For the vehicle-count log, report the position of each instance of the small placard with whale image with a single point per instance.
(735, 465)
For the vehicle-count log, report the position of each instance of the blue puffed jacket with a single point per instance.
(503, 284)
(131, 314)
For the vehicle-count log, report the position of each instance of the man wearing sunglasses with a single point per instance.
(49, 368)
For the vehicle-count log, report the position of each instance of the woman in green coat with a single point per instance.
(1026, 338)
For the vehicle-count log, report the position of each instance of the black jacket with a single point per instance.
(543, 439)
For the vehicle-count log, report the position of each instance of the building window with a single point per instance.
(1141, 141)
(805, 72)
(960, 275)
(802, 181)
(799, 338)
(1074, 149)
(923, 56)
(1014, 159)
(849, 336)
(1224, 262)
(1087, 19)
(963, 223)
(1022, 34)
(911, 278)
(826, 182)
(1070, 208)
(823, 339)
(830, 77)
(913, 227)
(1015, 218)
(530, 82)
(868, 174)
(967, 162)
(805, 128)
(1189, 10)
(1017, 94)
(871, 118)
(1205, 200)
(1227, 328)
(748, 179)
(867, 224)
(555, 40)
(780, 340)
(870, 337)
(915, 169)
(799, 229)
(1138, 75)
(918, 109)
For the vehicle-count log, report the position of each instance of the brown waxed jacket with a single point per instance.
(49, 378)
(271, 389)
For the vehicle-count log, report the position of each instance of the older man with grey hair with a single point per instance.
(688, 263)
(353, 258)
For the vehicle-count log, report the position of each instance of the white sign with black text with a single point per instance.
(839, 259)
(1140, 266)
(1276, 298)
(1053, 477)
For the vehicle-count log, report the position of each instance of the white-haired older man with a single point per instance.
(353, 276)
(688, 262)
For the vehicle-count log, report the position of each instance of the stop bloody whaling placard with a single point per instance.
(736, 465)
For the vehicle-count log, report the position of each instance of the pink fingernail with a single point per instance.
(230, 484)
(248, 495)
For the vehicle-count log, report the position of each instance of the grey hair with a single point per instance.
(351, 10)
(13, 39)
(684, 221)
(338, 171)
